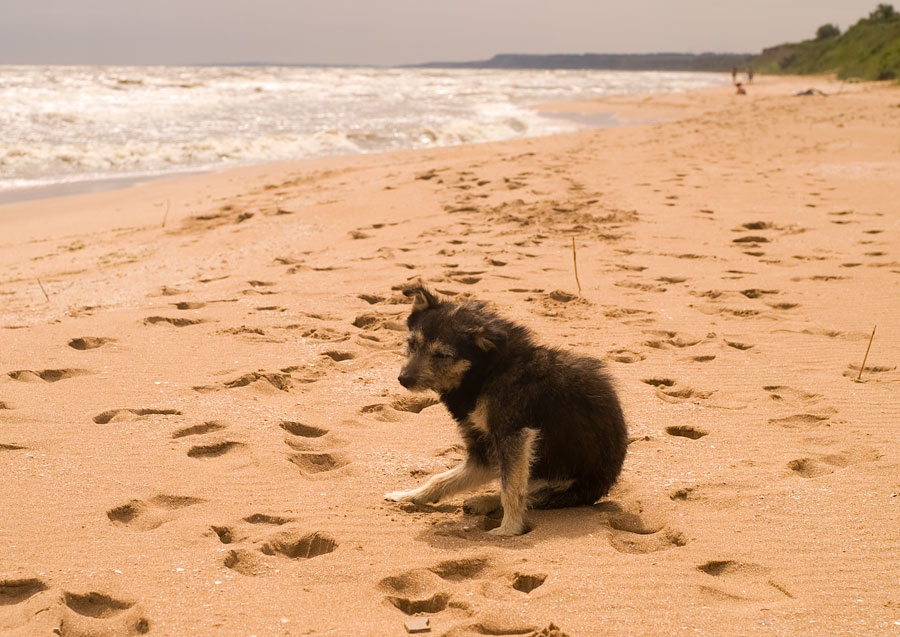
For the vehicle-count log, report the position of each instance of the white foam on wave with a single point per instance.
(65, 124)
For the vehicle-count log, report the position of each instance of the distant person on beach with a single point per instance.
(749, 75)
(734, 75)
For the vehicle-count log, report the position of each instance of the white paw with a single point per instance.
(400, 496)
(509, 530)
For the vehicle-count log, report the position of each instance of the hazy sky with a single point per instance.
(386, 32)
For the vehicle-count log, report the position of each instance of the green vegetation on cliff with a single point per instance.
(869, 50)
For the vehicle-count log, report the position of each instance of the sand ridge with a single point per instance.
(198, 419)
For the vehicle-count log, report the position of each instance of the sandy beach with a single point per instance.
(199, 411)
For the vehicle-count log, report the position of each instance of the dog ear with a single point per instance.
(423, 298)
(488, 338)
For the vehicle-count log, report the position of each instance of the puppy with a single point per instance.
(547, 422)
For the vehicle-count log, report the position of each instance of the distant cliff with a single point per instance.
(869, 50)
(614, 62)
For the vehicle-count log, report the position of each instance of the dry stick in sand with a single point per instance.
(46, 296)
(166, 215)
(575, 263)
(863, 366)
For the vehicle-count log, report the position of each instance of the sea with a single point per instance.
(78, 128)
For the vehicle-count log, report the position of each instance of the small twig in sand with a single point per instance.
(46, 296)
(863, 366)
(166, 215)
(575, 263)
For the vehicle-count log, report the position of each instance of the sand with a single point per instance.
(199, 412)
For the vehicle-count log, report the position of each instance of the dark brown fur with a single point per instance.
(546, 421)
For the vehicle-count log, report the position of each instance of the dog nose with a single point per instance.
(405, 380)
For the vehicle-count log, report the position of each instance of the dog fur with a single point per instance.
(546, 421)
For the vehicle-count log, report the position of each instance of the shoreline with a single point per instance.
(86, 186)
(599, 113)
(588, 120)
(198, 391)
(249, 129)
(591, 119)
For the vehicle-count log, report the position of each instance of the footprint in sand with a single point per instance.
(214, 449)
(96, 613)
(176, 322)
(30, 606)
(266, 382)
(466, 277)
(416, 592)
(817, 465)
(261, 542)
(313, 463)
(371, 321)
(16, 591)
(227, 214)
(560, 304)
(489, 625)
(311, 459)
(625, 356)
(686, 431)
(371, 299)
(145, 515)
(752, 240)
(189, 305)
(124, 415)
(454, 589)
(320, 333)
(799, 399)
(852, 372)
(423, 591)
(664, 339)
(46, 375)
(208, 448)
(635, 531)
(198, 430)
(669, 391)
(640, 286)
(301, 430)
(792, 397)
(630, 316)
(89, 342)
(527, 582)
(393, 411)
(731, 580)
(755, 293)
(339, 356)
(739, 346)
(801, 420)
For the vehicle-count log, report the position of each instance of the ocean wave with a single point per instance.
(65, 124)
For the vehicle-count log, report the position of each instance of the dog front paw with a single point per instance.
(509, 530)
(403, 496)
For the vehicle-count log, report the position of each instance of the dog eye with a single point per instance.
(443, 355)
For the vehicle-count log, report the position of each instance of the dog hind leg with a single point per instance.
(560, 494)
(553, 494)
(482, 504)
